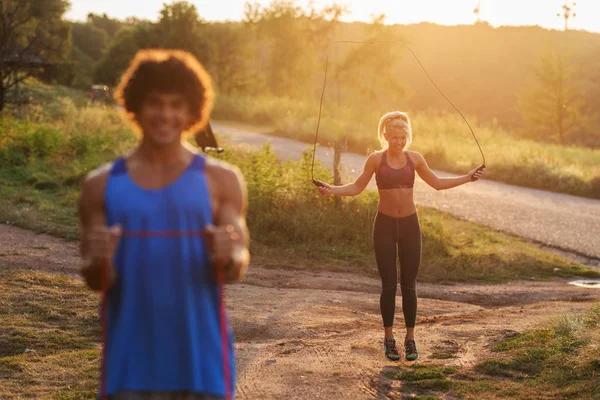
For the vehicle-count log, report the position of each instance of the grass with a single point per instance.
(561, 360)
(49, 336)
(423, 379)
(444, 140)
(43, 164)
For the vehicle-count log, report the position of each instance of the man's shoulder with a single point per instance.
(223, 171)
(95, 181)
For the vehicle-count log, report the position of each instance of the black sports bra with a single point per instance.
(390, 178)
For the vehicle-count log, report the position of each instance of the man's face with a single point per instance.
(163, 117)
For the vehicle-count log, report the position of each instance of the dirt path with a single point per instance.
(306, 335)
(560, 221)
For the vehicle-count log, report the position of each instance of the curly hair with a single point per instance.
(386, 119)
(167, 71)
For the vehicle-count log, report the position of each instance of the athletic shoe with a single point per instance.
(410, 349)
(391, 351)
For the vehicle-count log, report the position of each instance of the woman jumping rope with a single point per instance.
(396, 230)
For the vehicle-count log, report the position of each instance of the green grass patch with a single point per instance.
(561, 358)
(420, 372)
(425, 379)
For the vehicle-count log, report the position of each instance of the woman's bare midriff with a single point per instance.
(396, 203)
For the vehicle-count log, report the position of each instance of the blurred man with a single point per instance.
(156, 224)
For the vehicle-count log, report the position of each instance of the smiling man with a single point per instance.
(156, 224)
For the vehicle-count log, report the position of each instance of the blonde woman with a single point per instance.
(396, 231)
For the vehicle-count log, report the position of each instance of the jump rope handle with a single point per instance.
(318, 183)
(215, 149)
(481, 168)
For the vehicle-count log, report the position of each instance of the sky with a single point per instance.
(444, 12)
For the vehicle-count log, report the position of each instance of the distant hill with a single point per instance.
(482, 69)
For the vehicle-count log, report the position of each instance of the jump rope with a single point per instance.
(312, 174)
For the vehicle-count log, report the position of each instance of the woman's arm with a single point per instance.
(355, 188)
(442, 183)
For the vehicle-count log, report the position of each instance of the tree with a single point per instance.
(89, 39)
(591, 93)
(367, 72)
(322, 23)
(83, 68)
(89, 42)
(180, 27)
(105, 23)
(291, 34)
(281, 24)
(32, 33)
(254, 65)
(553, 107)
(122, 49)
(230, 57)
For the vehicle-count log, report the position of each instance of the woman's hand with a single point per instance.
(324, 189)
(477, 173)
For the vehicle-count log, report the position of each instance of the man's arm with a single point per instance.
(231, 213)
(92, 219)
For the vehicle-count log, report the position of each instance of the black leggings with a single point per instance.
(402, 237)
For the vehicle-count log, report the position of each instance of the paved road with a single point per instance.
(560, 221)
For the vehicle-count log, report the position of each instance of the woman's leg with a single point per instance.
(384, 245)
(409, 253)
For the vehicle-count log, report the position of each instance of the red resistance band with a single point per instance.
(222, 308)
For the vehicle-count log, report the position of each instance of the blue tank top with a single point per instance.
(164, 310)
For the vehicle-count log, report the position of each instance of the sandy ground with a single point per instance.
(307, 335)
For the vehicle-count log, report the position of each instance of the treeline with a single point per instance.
(538, 83)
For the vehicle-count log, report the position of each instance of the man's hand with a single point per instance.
(101, 243)
(225, 249)
(221, 241)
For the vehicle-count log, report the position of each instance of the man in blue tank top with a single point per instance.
(161, 227)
